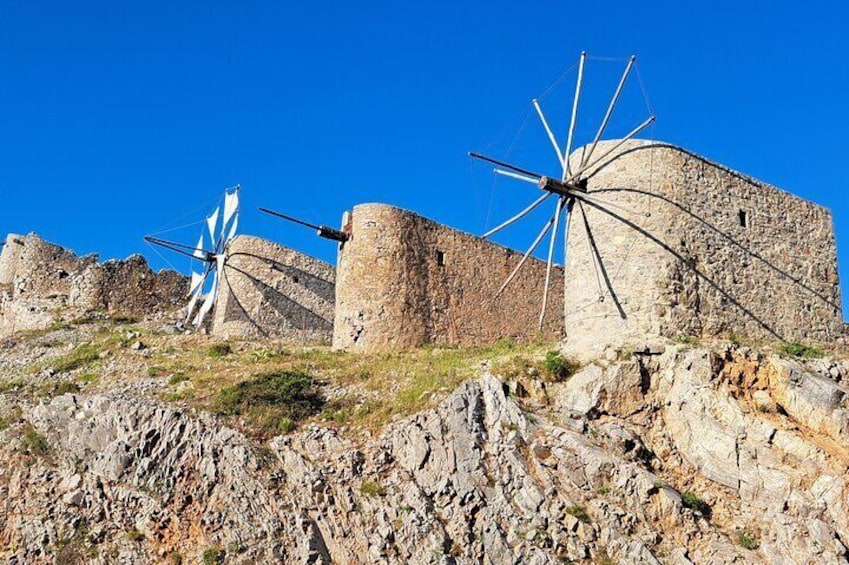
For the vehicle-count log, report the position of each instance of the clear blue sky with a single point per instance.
(118, 118)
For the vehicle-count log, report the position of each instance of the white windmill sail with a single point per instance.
(231, 217)
(198, 252)
(201, 289)
(195, 291)
(212, 222)
(208, 302)
(229, 224)
(232, 232)
(231, 205)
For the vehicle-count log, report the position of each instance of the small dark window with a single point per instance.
(63, 274)
(295, 279)
(440, 258)
(744, 218)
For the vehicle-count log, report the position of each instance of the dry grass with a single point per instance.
(367, 390)
(364, 389)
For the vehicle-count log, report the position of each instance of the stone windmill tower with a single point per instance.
(660, 241)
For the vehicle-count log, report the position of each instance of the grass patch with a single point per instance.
(746, 540)
(156, 371)
(578, 512)
(797, 349)
(177, 378)
(557, 367)
(685, 339)
(33, 443)
(219, 350)
(58, 388)
(214, 556)
(11, 387)
(81, 356)
(135, 536)
(693, 502)
(273, 401)
(371, 488)
(381, 386)
(89, 378)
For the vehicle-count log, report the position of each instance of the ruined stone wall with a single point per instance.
(128, 287)
(41, 283)
(10, 254)
(687, 246)
(268, 290)
(404, 281)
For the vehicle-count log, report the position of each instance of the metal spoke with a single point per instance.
(516, 176)
(518, 216)
(179, 248)
(613, 101)
(566, 166)
(527, 254)
(549, 132)
(619, 144)
(503, 164)
(550, 257)
(567, 223)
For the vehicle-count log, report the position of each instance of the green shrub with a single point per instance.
(33, 443)
(693, 502)
(371, 488)
(88, 378)
(285, 425)
(214, 556)
(81, 356)
(219, 350)
(557, 367)
(746, 541)
(59, 388)
(177, 378)
(797, 349)
(123, 320)
(135, 536)
(156, 371)
(275, 401)
(578, 512)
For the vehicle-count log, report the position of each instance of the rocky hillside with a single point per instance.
(139, 445)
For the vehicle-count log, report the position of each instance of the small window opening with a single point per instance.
(440, 258)
(744, 218)
(63, 274)
(295, 279)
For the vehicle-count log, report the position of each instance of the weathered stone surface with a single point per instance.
(405, 281)
(476, 479)
(268, 290)
(41, 283)
(617, 390)
(676, 259)
(818, 402)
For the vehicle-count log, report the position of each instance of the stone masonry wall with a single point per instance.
(10, 255)
(41, 283)
(270, 291)
(404, 281)
(687, 246)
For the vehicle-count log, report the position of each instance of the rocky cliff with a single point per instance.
(670, 454)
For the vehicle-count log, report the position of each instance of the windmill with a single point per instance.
(570, 184)
(204, 285)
